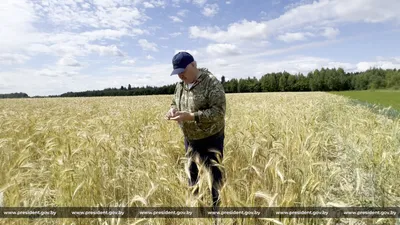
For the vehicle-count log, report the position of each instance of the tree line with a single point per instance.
(318, 80)
(323, 79)
(14, 95)
(124, 91)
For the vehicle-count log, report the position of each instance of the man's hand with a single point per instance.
(171, 113)
(183, 116)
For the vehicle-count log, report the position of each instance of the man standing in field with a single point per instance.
(199, 107)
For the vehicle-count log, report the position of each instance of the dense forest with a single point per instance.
(318, 80)
(323, 79)
(14, 95)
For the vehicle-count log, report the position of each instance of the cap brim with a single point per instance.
(177, 71)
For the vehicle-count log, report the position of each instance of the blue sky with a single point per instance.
(51, 47)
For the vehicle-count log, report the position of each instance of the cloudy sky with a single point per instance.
(51, 46)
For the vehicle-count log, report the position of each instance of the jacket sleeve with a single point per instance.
(217, 103)
(173, 102)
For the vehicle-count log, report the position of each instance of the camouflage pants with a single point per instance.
(210, 152)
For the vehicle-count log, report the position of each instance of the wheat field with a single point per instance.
(281, 149)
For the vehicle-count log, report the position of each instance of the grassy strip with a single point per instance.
(384, 98)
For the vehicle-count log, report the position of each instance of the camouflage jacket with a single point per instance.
(206, 99)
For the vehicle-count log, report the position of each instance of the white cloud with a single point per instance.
(69, 61)
(85, 5)
(16, 25)
(324, 13)
(199, 2)
(69, 48)
(159, 3)
(243, 30)
(154, 74)
(175, 34)
(297, 4)
(228, 2)
(18, 17)
(55, 73)
(301, 64)
(221, 62)
(222, 49)
(80, 38)
(286, 50)
(111, 50)
(110, 34)
(249, 30)
(105, 3)
(175, 3)
(365, 65)
(384, 63)
(175, 19)
(148, 5)
(276, 2)
(137, 31)
(291, 37)
(11, 59)
(330, 32)
(80, 44)
(33, 49)
(107, 14)
(339, 11)
(248, 53)
(263, 14)
(129, 62)
(210, 10)
(148, 46)
(149, 57)
(260, 44)
(42, 82)
(154, 3)
(183, 12)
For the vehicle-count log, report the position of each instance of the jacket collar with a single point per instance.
(201, 76)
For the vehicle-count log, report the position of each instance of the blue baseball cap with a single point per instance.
(180, 61)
